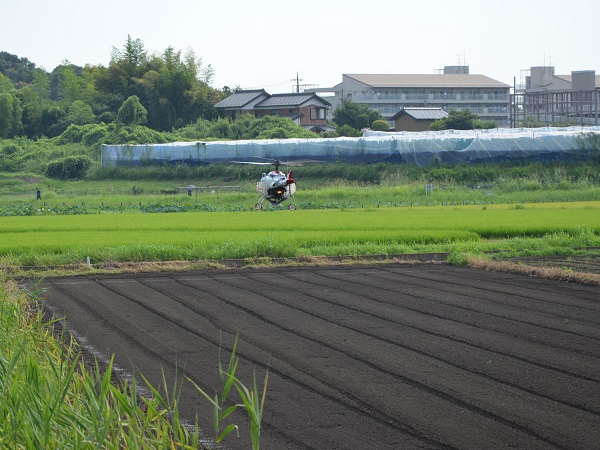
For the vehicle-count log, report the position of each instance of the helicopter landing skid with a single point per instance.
(259, 204)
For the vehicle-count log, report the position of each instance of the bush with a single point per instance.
(380, 125)
(137, 135)
(361, 121)
(348, 131)
(70, 167)
(91, 134)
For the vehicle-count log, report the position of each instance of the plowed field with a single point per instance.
(362, 357)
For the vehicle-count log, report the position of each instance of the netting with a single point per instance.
(448, 146)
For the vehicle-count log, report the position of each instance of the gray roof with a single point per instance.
(241, 98)
(569, 78)
(427, 80)
(293, 100)
(422, 113)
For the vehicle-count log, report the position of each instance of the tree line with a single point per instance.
(174, 89)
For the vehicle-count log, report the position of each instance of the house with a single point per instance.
(554, 99)
(454, 88)
(240, 103)
(306, 109)
(416, 119)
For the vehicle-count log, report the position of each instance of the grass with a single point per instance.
(551, 273)
(49, 398)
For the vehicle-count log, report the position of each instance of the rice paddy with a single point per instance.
(113, 237)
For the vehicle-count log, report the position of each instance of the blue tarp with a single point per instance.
(448, 146)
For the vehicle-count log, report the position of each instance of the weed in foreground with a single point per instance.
(251, 402)
(49, 398)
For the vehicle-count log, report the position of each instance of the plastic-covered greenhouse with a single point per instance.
(449, 146)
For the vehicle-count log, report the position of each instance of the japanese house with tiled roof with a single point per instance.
(305, 109)
(416, 119)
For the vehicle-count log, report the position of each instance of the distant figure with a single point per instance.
(190, 191)
(38, 195)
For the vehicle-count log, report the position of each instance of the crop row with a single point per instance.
(192, 236)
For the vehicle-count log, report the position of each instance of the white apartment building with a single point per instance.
(452, 88)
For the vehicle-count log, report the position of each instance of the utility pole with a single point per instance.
(297, 80)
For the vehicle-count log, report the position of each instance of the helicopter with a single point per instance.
(274, 186)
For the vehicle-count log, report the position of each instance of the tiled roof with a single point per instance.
(423, 113)
(426, 113)
(295, 100)
(427, 80)
(240, 98)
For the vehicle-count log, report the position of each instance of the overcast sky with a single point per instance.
(264, 43)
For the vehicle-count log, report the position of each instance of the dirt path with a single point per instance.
(370, 357)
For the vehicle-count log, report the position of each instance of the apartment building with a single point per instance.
(543, 96)
(451, 88)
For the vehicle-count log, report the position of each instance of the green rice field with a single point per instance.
(119, 237)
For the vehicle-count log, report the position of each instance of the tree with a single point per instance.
(361, 121)
(456, 120)
(72, 86)
(348, 131)
(34, 97)
(380, 125)
(80, 113)
(19, 70)
(10, 109)
(348, 111)
(10, 115)
(132, 112)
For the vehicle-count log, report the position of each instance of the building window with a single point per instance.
(317, 113)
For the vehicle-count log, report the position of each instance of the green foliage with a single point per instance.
(10, 115)
(531, 122)
(380, 125)
(348, 111)
(485, 124)
(456, 120)
(136, 135)
(462, 120)
(132, 112)
(361, 121)
(19, 70)
(590, 144)
(70, 403)
(348, 131)
(246, 127)
(80, 113)
(173, 89)
(90, 135)
(252, 401)
(69, 167)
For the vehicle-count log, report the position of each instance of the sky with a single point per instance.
(269, 43)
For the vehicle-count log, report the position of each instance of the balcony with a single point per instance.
(433, 97)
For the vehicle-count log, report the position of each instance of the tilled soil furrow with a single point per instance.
(379, 357)
(579, 296)
(409, 372)
(471, 311)
(429, 341)
(415, 313)
(282, 372)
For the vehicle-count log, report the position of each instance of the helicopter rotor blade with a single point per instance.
(251, 163)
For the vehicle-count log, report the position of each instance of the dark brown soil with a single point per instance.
(362, 357)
